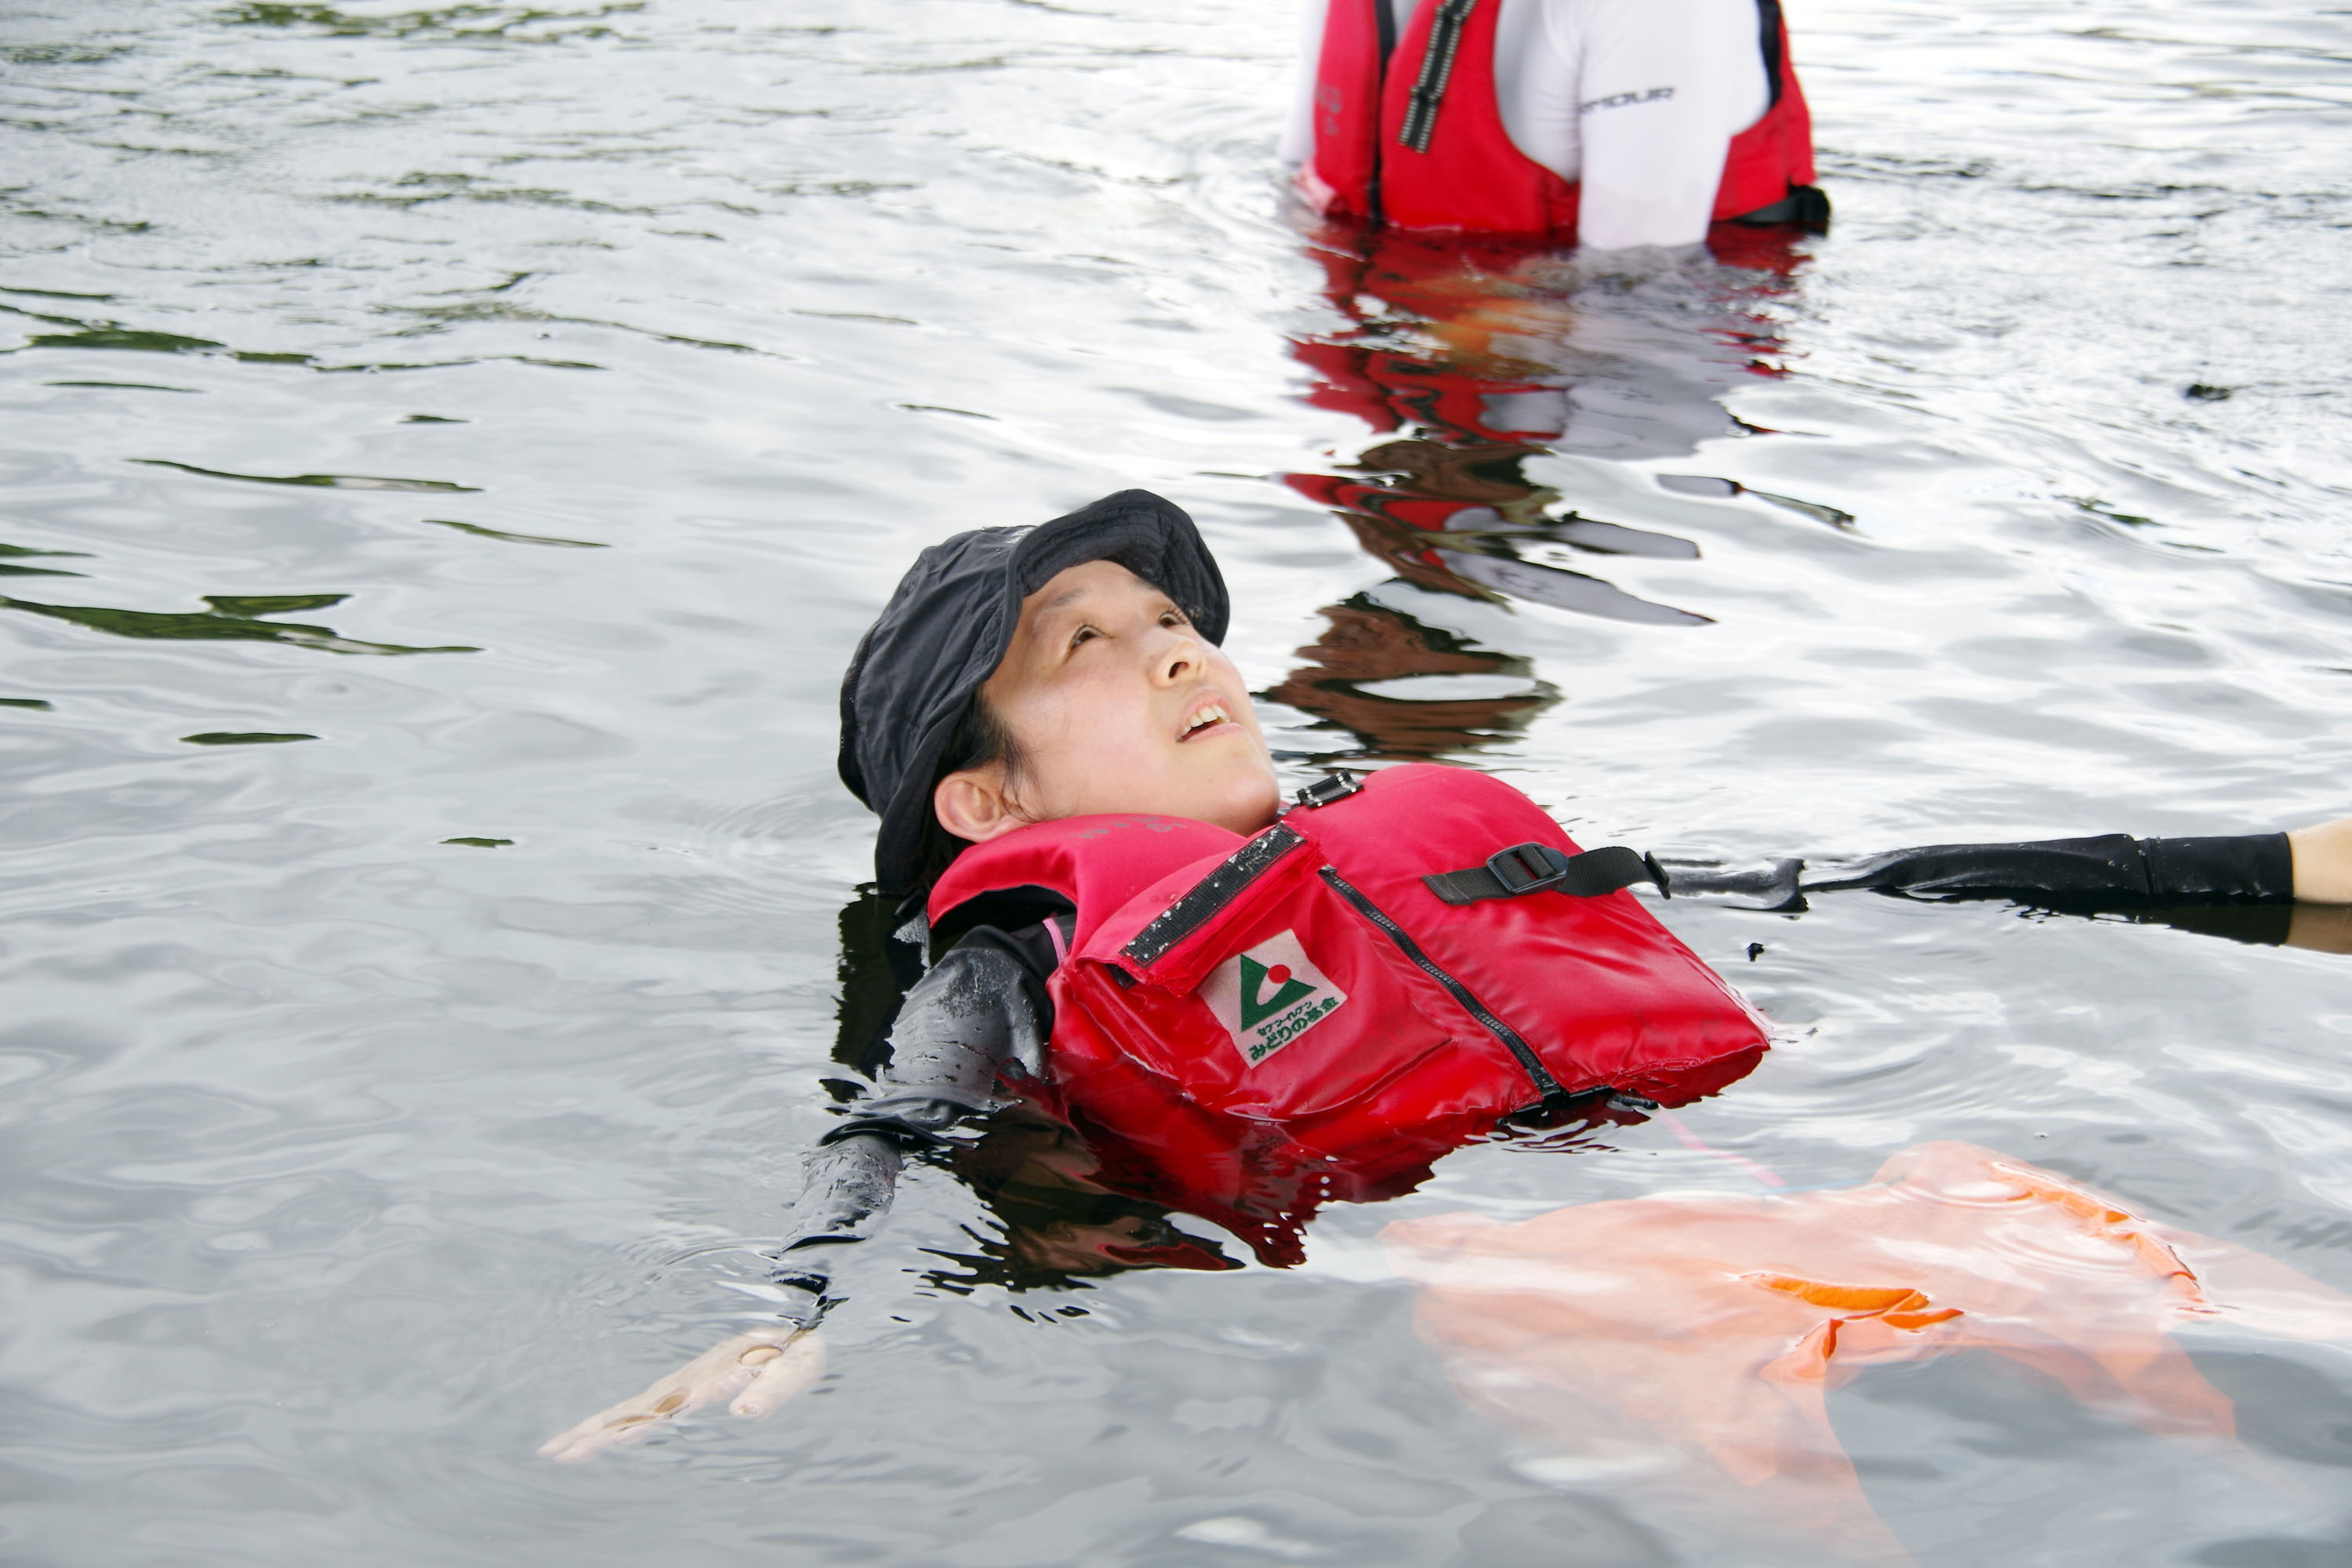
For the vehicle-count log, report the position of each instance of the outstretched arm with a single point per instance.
(2323, 862)
(2112, 868)
(2304, 876)
(979, 1009)
(2323, 886)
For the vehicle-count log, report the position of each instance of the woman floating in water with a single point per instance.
(1246, 1008)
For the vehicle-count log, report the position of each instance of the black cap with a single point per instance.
(946, 629)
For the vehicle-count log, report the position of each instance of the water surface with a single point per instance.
(447, 455)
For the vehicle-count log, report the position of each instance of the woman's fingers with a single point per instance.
(623, 1423)
(779, 1377)
(711, 1377)
(619, 1423)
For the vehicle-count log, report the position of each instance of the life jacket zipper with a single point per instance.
(1436, 70)
(1540, 1075)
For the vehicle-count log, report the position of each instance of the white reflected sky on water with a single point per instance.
(341, 1164)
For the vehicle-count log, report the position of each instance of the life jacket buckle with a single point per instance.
(1336, 784)
(1528, 868)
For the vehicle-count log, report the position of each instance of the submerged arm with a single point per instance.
(979, 1009)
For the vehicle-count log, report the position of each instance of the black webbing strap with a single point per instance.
(1538, 868)
(1211, 894)
(1436, 68)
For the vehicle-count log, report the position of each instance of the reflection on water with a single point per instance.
(1470, 358)
(480, 531)
(1420, 716)
(1056, 1224)
(336, 1170)
(231, 619)
(10, 555)
(1702, 485)
(324, 481)
(1486, 354)
(104, 336)
(241, 738)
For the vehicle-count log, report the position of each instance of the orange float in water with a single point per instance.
(1705, 1330)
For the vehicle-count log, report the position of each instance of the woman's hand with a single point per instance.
(2323, 862)
(755, 1372)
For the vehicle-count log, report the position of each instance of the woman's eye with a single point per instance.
(1084, 634)
(1174, 618)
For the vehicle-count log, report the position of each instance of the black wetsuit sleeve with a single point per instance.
(979, 1009)
(2239, 888)
(2114, 871)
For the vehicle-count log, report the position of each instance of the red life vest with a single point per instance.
(1468, 174)
(1250, 1014)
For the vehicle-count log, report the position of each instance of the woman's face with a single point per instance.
(1116, 703)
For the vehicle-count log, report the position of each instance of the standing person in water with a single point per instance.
(1619, 123)
(1249, 1008)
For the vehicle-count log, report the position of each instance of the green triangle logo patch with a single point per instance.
(1269, 995)
(1258, 1003)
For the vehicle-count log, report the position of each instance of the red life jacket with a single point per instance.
(1382, 151)
(1250, 1014)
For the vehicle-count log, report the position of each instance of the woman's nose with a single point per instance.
(1177, 658)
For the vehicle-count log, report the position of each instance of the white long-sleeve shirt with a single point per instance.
(1635, 100)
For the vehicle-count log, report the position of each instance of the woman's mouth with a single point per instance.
(1205, 720)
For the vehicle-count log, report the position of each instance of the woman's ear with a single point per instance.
(972, 804)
